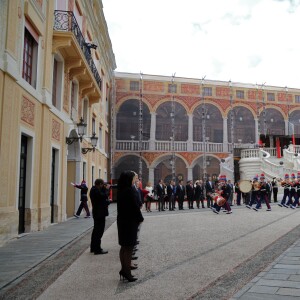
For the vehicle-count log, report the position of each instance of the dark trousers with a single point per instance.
(83, 204)
(198, 202)
(160, 203)
(265, 198)
(190, 202)
(238, 198)
(226, 206)
(286, 194)
(171, 202)
(209, 200)
(180, 203)
(99, 225)
(275, 192)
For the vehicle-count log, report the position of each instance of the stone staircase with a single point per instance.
(264, 160)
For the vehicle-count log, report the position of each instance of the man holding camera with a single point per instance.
(99, 198)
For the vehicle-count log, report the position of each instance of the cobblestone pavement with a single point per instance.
(190, 254)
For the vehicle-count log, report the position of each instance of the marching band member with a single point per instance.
(223, 190)
(263, 194)
(296, 203)
(290, 202)
(286, 192)
(254, 192)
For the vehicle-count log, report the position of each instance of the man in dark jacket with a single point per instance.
(160, 192)
(180, 194)
(190, 194)
(99, 198)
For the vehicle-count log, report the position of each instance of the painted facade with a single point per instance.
(51, 75)
(211, 119)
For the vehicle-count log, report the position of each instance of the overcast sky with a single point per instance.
(248, 41)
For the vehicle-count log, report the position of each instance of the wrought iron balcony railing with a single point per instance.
(66, 21)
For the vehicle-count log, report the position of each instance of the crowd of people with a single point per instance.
(131, 197)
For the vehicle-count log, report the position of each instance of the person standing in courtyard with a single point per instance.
(129, 217)
(99, 198)
(180, 194)
(160, 192)
(83, 199)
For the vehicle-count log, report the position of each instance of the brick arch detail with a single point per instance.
(217, 156)
(169, 99)
(250, 108)
(284, 115)
(219, 107)
(120, 157)
(124, 99)
(161, 158)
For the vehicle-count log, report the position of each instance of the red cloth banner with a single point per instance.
(278, 150)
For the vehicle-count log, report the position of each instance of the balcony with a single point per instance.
(68, 39)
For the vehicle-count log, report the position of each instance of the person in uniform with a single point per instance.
(286, 191)
(262, 194)
(293, 193)
(83, 199)
(254, 192)
(274, 188)
(224, 191)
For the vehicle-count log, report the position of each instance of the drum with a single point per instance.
(245, 186)
(220, 201)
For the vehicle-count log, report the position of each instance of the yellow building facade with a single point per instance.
(56, 71)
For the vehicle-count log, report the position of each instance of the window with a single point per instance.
(172, 88)
(207, 91)
(30, 52)
(271, 96)
(134, 85)
(240, 94)
(57, 82)
(297, 98)
(93, 125)
(84, 170)
(74, 93)
(100, 137)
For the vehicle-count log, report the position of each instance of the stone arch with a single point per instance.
(127, 121)
(243, 105)
(207, 102)
(163, 168)
(272, 122)
(213, 123)
(284, 116)
(163, 130)
(131, 162)
(241, 125)
(131, 97)
(167, 99)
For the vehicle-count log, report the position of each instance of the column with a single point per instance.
(256, 131)
(286, 122)
(190, 133)
(151, 176)
(190, 173)
(225, 135)
(152, 131)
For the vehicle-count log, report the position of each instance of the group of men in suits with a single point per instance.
(168, 194)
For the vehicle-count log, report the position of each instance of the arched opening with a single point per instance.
(164, 122)
(241, 124)
(128, 120)
(213, 123)
(73, 174)
(212, 168)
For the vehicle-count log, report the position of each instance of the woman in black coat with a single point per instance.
(128, 219)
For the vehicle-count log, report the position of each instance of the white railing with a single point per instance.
(250, 153)
(209, 147)
(167, 146)
(131, 145)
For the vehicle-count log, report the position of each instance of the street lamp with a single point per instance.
(81, 127)
(94, 141)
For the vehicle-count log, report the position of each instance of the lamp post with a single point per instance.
(81, 127)
(94, 141)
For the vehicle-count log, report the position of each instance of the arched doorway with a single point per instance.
(212, 168)
(73, 174)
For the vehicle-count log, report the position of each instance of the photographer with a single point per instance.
(99, 198)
